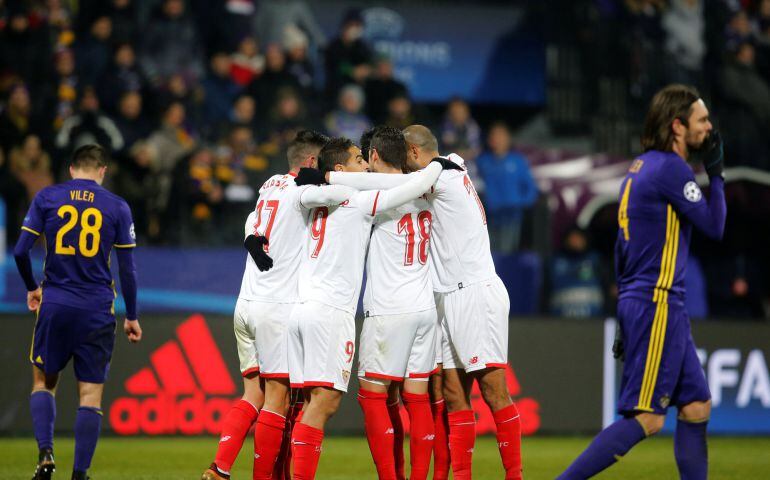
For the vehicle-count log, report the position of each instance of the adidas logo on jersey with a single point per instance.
(186, 388)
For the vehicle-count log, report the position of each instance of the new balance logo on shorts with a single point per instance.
(186, 388)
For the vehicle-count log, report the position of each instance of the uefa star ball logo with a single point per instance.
(692, 192)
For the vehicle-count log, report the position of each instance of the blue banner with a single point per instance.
(484, 54)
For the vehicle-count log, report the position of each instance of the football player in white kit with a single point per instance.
(399, 332)
(322, 328)
(474, 302)
(274, 231)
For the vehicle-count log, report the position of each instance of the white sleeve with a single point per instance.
(315, 196)
(249, 226)
(419, 183)
(368, 181)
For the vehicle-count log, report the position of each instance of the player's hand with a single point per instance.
(447, 164)
(711, 153)
(256, 247)
(618, 347)
(34, 298)
(133, 330)
(310, 176)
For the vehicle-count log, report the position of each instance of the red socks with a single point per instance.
(509, 440)
(306, 450)
(441, 441)
(282, 469)
(394, 410)
(379, 432)
(421, 435)
(235, 426)
(268, 436)
(462, 437)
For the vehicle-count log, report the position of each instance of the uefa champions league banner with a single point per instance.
(735, 357)
(484, 54)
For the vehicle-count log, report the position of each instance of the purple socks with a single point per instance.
(690, 450)
(88, 422)
(612, 443)
(43, 408)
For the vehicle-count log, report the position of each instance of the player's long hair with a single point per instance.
(672, 102)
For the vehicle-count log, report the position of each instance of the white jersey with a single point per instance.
(460, 252)
(339, 236)
(398, 279)
(335, 251)
(280, 217)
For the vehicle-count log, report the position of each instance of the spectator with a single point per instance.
(347, 120)
(170, 45)
(400, 113)
(287, 116)
(31, 165)
(746, 107)
(25, 50)
(264, 89)
(246, 63)
(58, 20)
(131, 180)
(296, 45)
(509, 187)
(237, 18)
(685, 45)
(179, 89)
(274, 16)
(219, 92)
(92, 51)
(89, 125)
(60, 96)
(124, 75)
(124, 20)
(575, 278)
(244, 112)
(16, 121)
(381, 88)
(461, 134)
(130, 120)
(348, 56)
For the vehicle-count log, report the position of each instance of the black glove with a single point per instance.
(447, 164)
(255, 245)
(711, 153)
(310, 176)
(618, 350)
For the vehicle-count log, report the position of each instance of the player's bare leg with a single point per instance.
(495, 393)
(43, 408)
(235, 426)
(271, 423)
(462, 421)
(422, 430)
(441, 426)
(690, 447)
(394, 412)
(373, 398)
(321, 404)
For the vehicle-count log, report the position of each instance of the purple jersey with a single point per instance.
(659, 204)
(81, 222)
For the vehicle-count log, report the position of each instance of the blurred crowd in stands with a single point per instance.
(197, 99)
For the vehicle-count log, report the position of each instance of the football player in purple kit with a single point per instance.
(82, 222)
(660, 202)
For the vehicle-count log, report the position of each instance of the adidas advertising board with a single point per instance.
(184, 376)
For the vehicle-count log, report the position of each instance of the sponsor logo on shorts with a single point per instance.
(345, 375)
(665, 400)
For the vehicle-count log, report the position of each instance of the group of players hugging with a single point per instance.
(435, 311)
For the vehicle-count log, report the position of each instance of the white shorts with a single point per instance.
(475, 326)
(260, 333)
(439, 298)
(394, 347)
(321, 346)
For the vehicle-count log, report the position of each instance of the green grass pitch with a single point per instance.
(348, 458)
